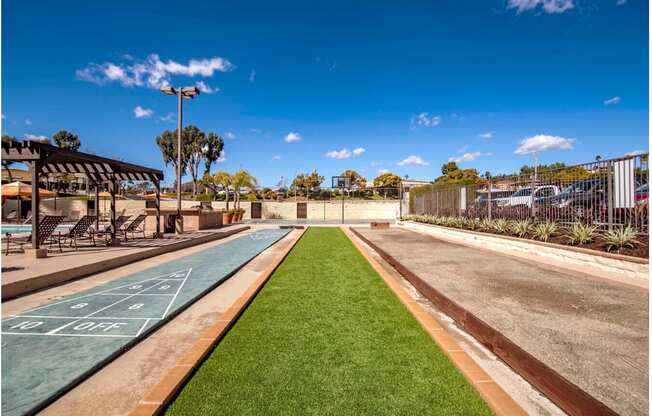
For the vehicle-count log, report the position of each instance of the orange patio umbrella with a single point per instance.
(18, 190)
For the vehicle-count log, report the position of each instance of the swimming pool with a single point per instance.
(25, 228)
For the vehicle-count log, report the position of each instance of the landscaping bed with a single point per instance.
(327, 336)
(598, 242)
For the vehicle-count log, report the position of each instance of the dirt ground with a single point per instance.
(592, 331)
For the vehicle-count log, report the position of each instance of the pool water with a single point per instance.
(25, 228)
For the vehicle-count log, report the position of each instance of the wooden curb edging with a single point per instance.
(26, 286)
(498, 400)
(568, 396)
(165, 390)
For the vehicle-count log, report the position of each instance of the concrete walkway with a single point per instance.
(591, 331)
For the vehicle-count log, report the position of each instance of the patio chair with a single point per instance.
(47, 226)
(136, 226)
(77, 232)
(119, 223)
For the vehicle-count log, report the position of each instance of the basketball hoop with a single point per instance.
(341, 182)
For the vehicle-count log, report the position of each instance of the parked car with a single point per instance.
(582, 199)
(496, 197)
(524, 197)
(640, 195)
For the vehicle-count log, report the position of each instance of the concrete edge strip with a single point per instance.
(159, 396)
(568, 396)
(24, 287)
(498, 400)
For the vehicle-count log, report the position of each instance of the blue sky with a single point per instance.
(368, 86)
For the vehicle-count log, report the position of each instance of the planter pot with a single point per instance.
(227, 218)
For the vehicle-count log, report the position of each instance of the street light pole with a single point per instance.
(187, 93)
(178, 227)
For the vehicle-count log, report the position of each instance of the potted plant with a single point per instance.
(227, 216)
(240, 213)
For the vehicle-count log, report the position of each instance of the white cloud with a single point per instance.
(383, 171)
(413, 160)
(468, 157)
(141, 112)
(612, 101)
(276, 157)
(292, 137)
(424, 119)
(230, 135)
(36, 137)
(252, 76)
(487, 135)
(548, 6)
(151, 72)
(345, 153)
(28, 122)
(222, 157)
(636, 153)
(621, 2)
(168, 118)
(339, 154)
(204, 88)
(542, 143)
(3, 116)
(256, 131)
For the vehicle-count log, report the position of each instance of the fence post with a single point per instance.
(489, 188)
(610, 195)
(532, 198)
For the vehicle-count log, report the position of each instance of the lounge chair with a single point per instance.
(136, 226)
(47, 226)
(77, 232)
(119, 222)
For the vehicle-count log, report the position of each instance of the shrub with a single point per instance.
(486, 224)
(580, 233)
(521, 228)
(501, 225)
(472, 223)
(618, 239)
(544, 230)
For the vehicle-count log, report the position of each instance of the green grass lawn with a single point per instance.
(327, 336)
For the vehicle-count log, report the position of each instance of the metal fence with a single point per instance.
(606, 193)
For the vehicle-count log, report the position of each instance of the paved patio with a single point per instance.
(592, 331)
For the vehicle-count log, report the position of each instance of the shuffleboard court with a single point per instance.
(49, 349)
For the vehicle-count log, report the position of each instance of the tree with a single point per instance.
(357, 180)
(6, 163)
(449, 167)
(212, 150)
(242, 179)
(66, 140)
(458, 177)
(220, 179)
(167, 144)
(387, 180)
(194, 139)
(308, 182)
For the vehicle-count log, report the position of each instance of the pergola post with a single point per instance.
(157, 187)
(97, 206)
(36, 172)
(112, 189)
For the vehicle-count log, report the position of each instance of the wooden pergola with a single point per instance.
(43, 158)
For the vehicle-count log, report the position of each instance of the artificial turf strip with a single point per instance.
(327, 336)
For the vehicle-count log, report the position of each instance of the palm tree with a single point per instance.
(223, 179)
(242, 179)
